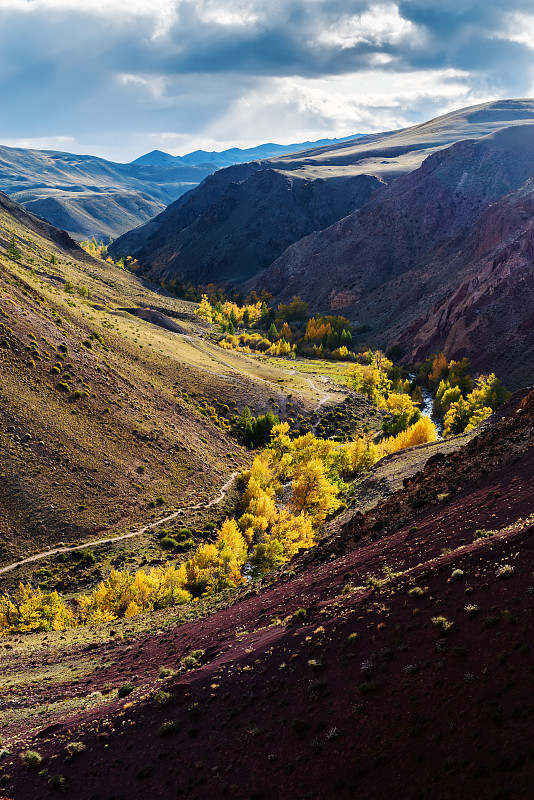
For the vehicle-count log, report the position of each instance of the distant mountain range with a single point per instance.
(426, 234)
(234, 155)
(89, 196)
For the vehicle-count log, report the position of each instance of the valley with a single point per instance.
(237, 556)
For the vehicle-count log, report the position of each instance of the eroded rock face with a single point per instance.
(440, 259)
(240, 221)
(490, 316)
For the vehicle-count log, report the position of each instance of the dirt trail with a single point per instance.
(326, 397)
(38, 556)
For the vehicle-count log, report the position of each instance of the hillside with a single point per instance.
(89, 196)
(440, 259)
(401, 646)
(250, 220)
(114, 410)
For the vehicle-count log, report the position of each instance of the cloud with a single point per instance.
(114, 75)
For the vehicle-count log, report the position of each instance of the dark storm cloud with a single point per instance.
(83, 68)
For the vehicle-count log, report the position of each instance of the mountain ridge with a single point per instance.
(163, 246)
(236, 155)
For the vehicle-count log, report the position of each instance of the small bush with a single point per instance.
(457, 575)
(416, 591)
(73, 748)
(166, 672)
(187, 544)
(162, 697)
(299, 616)
(443, 624)
(504, 572)
(374, 583)
(58, 782)
(31, 758)
(168, 543)
(192, 660)
(125, 690)
(168, 727)
(88, 557)
(472, 608)
(63, 386)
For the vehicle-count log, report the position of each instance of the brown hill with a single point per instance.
(230, 230)
(89, 196)
(110, 410)
(407, 671)
(428, 259)
(231, 227)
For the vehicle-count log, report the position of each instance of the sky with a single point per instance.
(119, 78)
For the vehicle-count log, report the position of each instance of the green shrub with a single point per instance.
(162, 697)
(166, 672)
(192, 660)
(57, 781)
(457, 575)
(168, 542)
(168, 727)
(416, 591)
(368, 686)
(31, 758)
(482, 533)
(63, 386)
(185, 545)
(73, 748)
(443, 624)
(88, 557)
(299, 616)
(125, 690)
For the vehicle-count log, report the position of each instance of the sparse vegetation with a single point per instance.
(444, 625)
(31, 758)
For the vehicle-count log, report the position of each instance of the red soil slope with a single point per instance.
(361, 697)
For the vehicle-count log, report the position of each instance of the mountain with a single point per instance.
(158, 158)
(440, 259)
(399, 647)
(97, 412)
(89, 196)
(235, 155)
(239, 220)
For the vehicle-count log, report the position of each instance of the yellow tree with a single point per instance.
(204, 310)
(312, 491)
